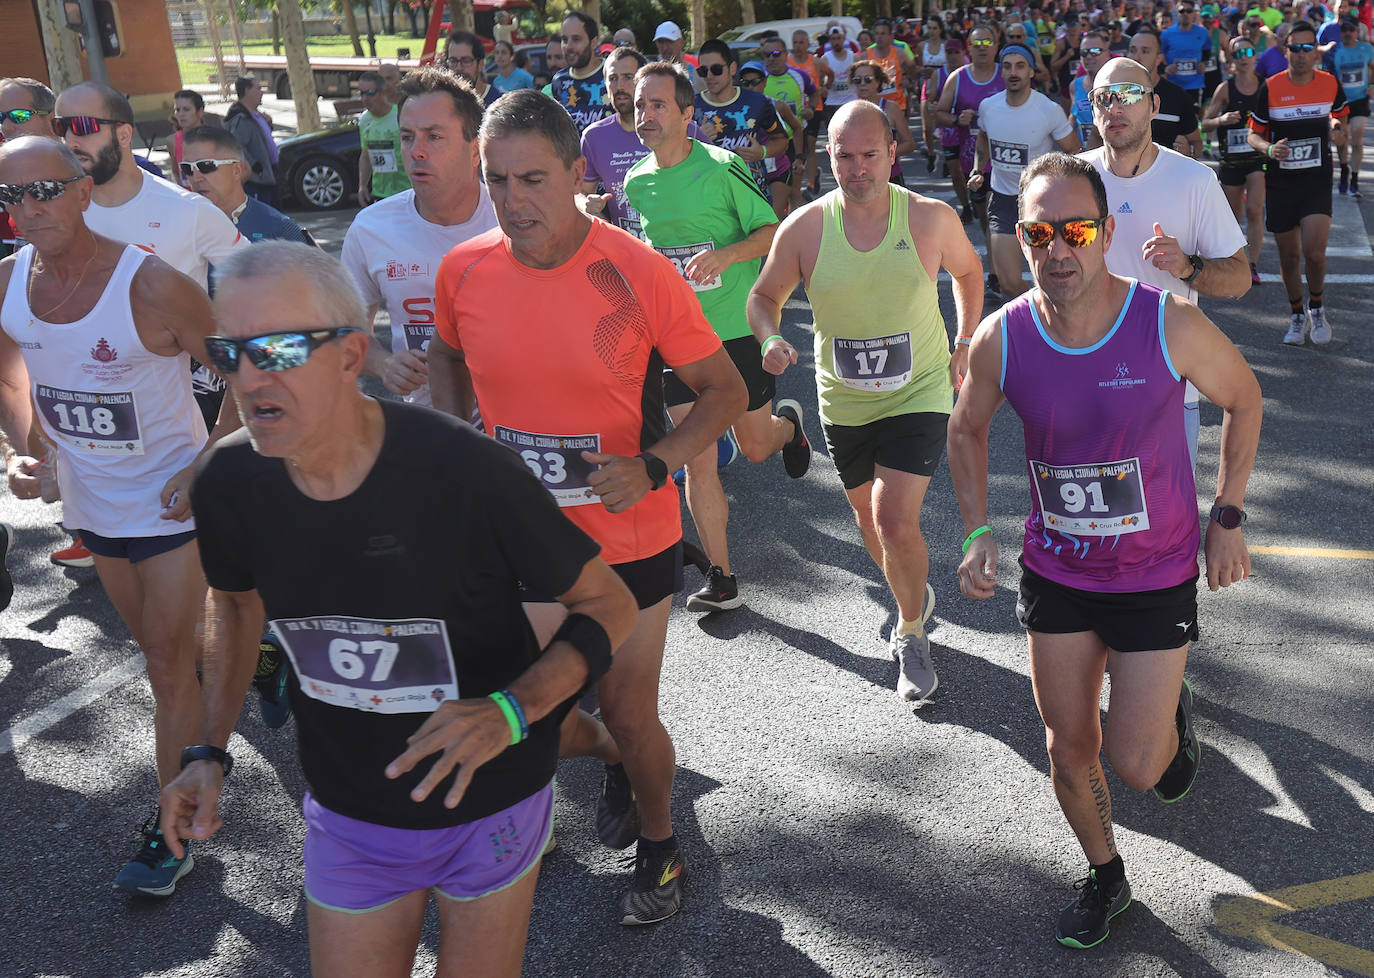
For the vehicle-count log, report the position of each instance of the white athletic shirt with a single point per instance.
(393, 254)
(840, 92)
(123, 419)
(934, 59)
(1019, 134)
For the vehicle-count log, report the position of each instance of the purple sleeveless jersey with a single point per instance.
(968, 94)
(1113, 505)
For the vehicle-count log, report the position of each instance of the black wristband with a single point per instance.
(585, 634)
(207, 752)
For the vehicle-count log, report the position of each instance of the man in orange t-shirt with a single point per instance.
(559, 326)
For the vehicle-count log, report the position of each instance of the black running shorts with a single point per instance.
(744, 353)
(1133, 621)
(905, 442)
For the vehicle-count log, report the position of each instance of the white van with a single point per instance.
(751, 34)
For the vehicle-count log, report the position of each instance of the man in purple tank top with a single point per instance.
(1095, 364)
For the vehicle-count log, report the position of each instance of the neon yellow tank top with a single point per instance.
(881, 346)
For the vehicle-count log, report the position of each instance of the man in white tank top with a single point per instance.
(98, 335)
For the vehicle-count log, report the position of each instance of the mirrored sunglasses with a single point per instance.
(81, 125)
(270, 351)
(21, 116)
(1078, 232)
(1125, 93)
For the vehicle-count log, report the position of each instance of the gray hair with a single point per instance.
(336, 297)
(41, 97)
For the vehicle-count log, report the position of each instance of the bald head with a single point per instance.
(93, 98)
(858, 119)
(30, 152)
(1122, 70)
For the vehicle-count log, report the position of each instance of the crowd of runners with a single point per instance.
(583, 287)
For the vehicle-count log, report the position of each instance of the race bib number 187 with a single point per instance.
(1103, 499)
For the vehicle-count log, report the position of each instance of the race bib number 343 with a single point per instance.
(1103, 499)
(377, 665)
(97, 423)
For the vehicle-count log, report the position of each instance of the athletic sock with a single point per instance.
(1296, 306)
(905, 627)
(658, 848)
(1314, 301)
(1110, 872)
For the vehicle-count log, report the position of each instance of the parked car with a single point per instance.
(815, 26)
(319, 170)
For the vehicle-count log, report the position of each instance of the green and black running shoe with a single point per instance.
(1084, 923)
(617, 811)
(656, 892)
(1179, 776)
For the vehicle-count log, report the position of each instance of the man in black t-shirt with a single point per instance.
(1175, 125)
(337, 517)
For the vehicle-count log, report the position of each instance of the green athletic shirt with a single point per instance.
(381, 140)
(881, 347)
(787, 88)
(707, 201)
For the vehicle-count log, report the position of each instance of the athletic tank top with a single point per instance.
(840, 92)
(876, 360)
(969, 93)
(1112, 502)
(1069, 69)
(896, 170)
(1234, 147)
(934, 59)
(892, 67)
(124, 419)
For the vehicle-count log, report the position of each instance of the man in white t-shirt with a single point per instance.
(1174, 228)
(393, 248)
(1014, 127)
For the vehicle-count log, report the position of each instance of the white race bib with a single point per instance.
(1303, 154)
(95, 423)
(383, 160)
(877, 363)
(1236, 143)
(556, 461)
(1097, 499)
(680, 255)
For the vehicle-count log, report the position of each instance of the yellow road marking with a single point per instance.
(1314, 552)
(1255, 918)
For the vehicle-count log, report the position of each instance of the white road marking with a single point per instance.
(35, 723)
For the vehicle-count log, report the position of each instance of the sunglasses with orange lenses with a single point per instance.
(1079, 232)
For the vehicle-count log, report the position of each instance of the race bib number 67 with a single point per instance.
(1100, 499)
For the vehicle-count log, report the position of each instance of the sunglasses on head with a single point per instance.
(1125, 93)
(270, 351)
(202, 166)
(704, 70)
(1243, 52)
(1302, 48)
(81, 125)
(40, 190)
(367, 92)
(1077, 232)
(21, 116)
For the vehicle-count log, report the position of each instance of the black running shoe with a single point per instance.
(1182, 770)
(966, 214)
(930, 162)
(617, 810)
(154, 871)
(796, 454)
(721, 593)
(269, 679)
(1086, 922)
(656, 892)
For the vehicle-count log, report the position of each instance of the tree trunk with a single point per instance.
(746, 12)
(885, 8)
(799, 10)
(836, 8)
(60, 50)
(592, 8)
(298, 67)
(351, 25)
(276, 31)
(391, 17)
(461, 17)
(699, 22)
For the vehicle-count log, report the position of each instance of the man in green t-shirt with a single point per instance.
(380, 173)
(701, 209)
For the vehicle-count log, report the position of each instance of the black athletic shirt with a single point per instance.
(1177, 113)
(365, 590)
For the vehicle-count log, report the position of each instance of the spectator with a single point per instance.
(215, 169)
(253, 130)
(508, 77)
(391, 82)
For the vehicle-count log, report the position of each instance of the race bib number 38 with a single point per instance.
(1103, 499)
(378, 665)
(680, 255)
(878, 363)
(556, 461)
(104, 423)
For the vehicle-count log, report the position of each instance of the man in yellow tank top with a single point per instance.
(885, 382)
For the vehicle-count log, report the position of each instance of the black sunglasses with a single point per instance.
(21, 116)
(81, 125)
(1302, 48)
(270, 351)
(367, 92)
(40, 190)
(704, 70)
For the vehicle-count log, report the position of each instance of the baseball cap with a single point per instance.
(954, 44)
(753, 66)
(668, 31)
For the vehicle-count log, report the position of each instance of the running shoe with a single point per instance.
(1297, 329)
(1321, 329)
(727, 449)
(1355, 186)
(720, 593)
(796, 454)
(1344, 187)
(1254, 275)
(269, 679)
(966, 214)
(6, 581)
(617, 810)
(154, 871)
(930, 162)
(74, 556)
(891, 622)
(1182, 770)
(656, 891)
(916, 679)
(1086, 922)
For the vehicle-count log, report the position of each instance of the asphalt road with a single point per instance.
(830, 829)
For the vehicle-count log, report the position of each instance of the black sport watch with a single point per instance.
(1196, 262)
(656, 468)
(1228, 517)
(207, 752)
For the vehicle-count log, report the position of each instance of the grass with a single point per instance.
(195, 73)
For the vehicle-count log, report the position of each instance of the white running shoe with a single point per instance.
(1297, 329)
(1321, 329)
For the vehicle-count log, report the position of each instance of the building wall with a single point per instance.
(23, 41)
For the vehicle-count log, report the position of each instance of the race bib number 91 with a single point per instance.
(1103, 499)
(377, 665)
(556, 461)
(104, 423)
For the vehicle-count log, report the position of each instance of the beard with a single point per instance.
(106, 163)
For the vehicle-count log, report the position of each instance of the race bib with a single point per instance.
(556, 461)
(880, 363)
(98, 424)
(1352, 77)
(1009, 157)
(1073, 67)
(1102, 499)
(1186, 67)
(841, 86)
(383, 160)
(1209, 65)
(1303, 154)
(680, 255)
(418, 336)
(1236, 143)
(378, 665)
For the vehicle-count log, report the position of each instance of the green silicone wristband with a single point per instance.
(500, 700)
(776, 336)
(968, 540)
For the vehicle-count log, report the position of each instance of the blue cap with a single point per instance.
(1020, 49)
(754, 66)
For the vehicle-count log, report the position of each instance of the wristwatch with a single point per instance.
(207, 752)
(656, 468)
(1196, 262)
(1228, 517)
